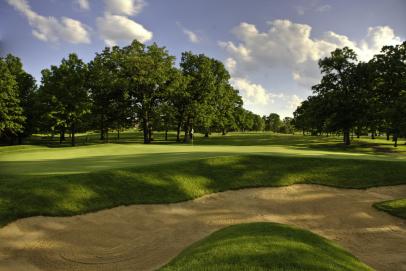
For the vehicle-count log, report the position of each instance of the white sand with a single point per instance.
(144, 237)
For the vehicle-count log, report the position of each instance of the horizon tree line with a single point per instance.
(140, 86)
(356, 96)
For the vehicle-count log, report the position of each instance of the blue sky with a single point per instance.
(271, 48)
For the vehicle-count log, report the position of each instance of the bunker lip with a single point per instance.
(145, 237)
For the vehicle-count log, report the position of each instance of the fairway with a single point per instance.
(63, 181)
(42, 160)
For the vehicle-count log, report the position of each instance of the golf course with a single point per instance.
(206, 206)
(152, 135)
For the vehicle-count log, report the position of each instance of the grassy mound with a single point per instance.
(265, 246)
(394, 207)
(71, 194)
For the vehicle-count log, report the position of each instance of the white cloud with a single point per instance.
(230, 64)
(323, 8)
(192, 36)
(293, 102)
(83, 4)
(51, 29)
(312, 6)
(114, 28)
(124, 7)
(253, 94)
(263, 101)
(288, 45)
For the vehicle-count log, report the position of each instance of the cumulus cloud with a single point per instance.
(124, 7)
(253, 94)
(192, 36)
(51, 29)
(263, 101)
(83, 4)
(312, 6)
(290, 46)
(114, 28)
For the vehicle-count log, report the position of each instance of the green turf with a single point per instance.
(23, 195)
(265, 246)
(395, 207)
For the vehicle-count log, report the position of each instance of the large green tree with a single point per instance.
(11, 112)
(64, 95)
(147, 71)
(391, 85)
(26, 89)
(339, 89)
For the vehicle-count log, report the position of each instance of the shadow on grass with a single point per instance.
(70, 194)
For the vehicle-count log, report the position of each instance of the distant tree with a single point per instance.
(26, 89)
(259, 123)
(11, 112)
(339, 89)
(287, 126)
(148, 71)
(108, 91)
(273, 122)
(391, 84)
(200, 91)
(64, 96)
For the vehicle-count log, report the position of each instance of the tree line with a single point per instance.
(358, 97)
(122, 87)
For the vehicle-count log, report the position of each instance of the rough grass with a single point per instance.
(395, 207)
(265, 246)
(71, 194)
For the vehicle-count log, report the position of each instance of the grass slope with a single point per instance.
(265, 246)
(395, 207)
(70, 194)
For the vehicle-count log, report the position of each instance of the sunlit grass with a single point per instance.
(395, 207)
(265, 246)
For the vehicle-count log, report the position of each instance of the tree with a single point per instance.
(147, 71)
(11, 112)
(200, 91)
(26, 88)
(273, 122)
(338, 88)
(391, 84)
(110, 98)
(64, 95)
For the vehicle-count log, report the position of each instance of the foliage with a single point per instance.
(358, 96)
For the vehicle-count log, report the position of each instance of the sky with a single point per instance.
(271, 48)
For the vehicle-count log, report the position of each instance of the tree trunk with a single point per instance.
(102, 127)
(62, 136)
(166, 134)
(178, 132)
(395, 138)
(73, 135)
(145, 128)
(373, 135)
(206, 134)
(118, 134)
(186, 137)
(347, 137)
(387, 134)
(223, 132)
(150, 135)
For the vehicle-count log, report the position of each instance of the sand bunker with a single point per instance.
(144, 237)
